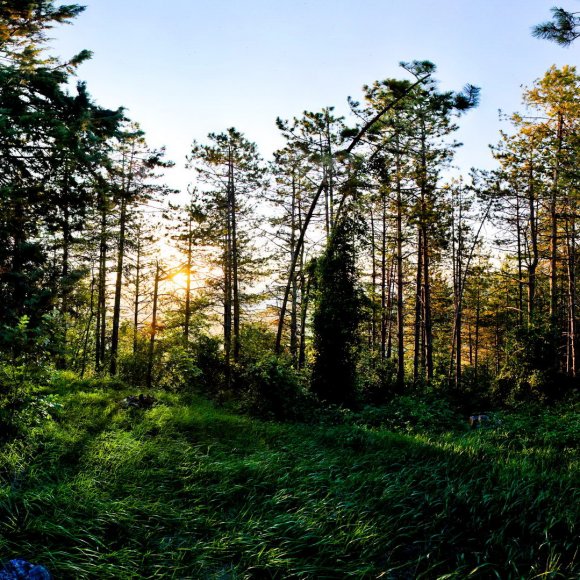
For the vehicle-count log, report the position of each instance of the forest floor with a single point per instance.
(188, 490)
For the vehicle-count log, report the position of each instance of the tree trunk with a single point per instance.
(535, 257)
(384, 273)
(554, 228)
(428, 336)
(234, 265)
(137, 300)
(118, 287)
(374, 326)
(87, 333)
(477, 321)
(390, 281)
(294, 296)
(102, 294)
(188, 281)
(151, 352)
(418, 306)
(400, 284)
(571, 245)
(519, 260)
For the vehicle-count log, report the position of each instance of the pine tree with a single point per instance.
(229, 173)
(133, 178)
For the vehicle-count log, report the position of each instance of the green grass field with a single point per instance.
(187, 490)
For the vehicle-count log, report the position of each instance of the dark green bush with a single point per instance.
(406, 413)
(133, 367)
(271, 389)
(179, 370)
(376, 377)
(530, 372)
(208, 356)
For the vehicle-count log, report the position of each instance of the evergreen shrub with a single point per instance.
(271, 389)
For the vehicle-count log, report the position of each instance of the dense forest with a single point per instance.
(349, 360)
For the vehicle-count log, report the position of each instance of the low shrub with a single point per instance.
(376, 377)
(180, 370)
(406, 413)
(271, 389)
(206, 351)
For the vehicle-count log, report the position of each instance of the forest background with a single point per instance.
(364, 274)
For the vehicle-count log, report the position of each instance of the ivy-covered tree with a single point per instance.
(337, 315)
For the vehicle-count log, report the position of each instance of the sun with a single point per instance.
(179, 279)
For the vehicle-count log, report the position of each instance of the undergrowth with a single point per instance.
(187, 490)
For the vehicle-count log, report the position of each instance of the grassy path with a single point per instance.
(185, 490)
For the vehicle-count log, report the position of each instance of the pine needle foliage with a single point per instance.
(564, 28)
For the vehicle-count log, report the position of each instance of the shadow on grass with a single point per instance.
(194, 492)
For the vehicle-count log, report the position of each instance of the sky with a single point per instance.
(185, 68)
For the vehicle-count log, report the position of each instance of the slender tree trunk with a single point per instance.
(294, 297)
(235, 284)
(87, 332)
(458, 295)
(189, 266)
(418, 306)
(554, 227)
(228, 293)
(571, 243)
(470, 340)
(304, 293)
(459, 346)
(520, 260)
(102, 294)
(535, 257)
(400, 285)
(426, 257)
(151, 352)
(384, 313)
(477, 323)
(497, 341)
(374, 326)
(304, 298)
(390, 281)
(118, 287)
(137, 301)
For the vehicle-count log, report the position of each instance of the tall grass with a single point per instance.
(185, 490)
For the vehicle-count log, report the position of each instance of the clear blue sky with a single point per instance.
(183, 68)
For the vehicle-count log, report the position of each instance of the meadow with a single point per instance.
(187, 489)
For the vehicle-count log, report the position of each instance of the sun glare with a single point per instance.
(179, 279)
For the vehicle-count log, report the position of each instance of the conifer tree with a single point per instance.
(229, 174)
(133, 174)
(49, 141)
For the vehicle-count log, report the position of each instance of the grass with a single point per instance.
(187, 490)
